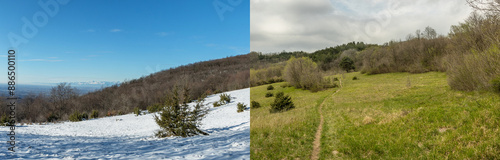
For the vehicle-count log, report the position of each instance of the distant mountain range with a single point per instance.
(82, 87)
(88, 84)
(94, 83)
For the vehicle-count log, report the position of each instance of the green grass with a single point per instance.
(381, 117)
(285, 135)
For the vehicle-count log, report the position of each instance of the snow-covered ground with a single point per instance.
(132, 137)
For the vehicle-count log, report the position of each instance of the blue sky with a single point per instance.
(114, 40)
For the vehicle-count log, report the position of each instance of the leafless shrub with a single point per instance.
(303, 73)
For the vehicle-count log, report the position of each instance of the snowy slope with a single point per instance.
(131, 137)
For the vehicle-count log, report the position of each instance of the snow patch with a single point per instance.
(132, 137)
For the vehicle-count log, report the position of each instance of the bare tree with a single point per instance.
(430, 33)
(409, 37)
(60, 96)
(418, 33)
(485, 5)
(303, 73)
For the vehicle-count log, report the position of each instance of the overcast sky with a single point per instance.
(309, 25)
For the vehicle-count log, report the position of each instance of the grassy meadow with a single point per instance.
(384, 116)
(285, 135)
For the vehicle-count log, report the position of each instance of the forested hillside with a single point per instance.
(206, 77)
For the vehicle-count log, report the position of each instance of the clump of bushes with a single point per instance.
(4, 120)
(267, 75)
(154, 108)
(281, 103)
(269, 94)
(355, 78)
(303, 73)
(270, 87)
(241, 107)
(85, 116)
(76, 116)
(94, 114)
(52, 117)
(137, 111)
(269, 81)
(254, 104)
(327, 83)
(225, 98)
(217, 104)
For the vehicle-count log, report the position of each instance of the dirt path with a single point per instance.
(317, 139)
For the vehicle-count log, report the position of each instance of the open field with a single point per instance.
(385, 116)
(401, 115)
(285, 135)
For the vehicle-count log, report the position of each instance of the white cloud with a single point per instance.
(116, 30)
(163, 34)
(309, 25)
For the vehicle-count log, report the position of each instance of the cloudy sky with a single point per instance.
(309, 25)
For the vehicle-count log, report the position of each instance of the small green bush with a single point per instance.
(137, 111)
(4, 120)
(121, 113)
(154, 108)
(269, 94)
(94, 114)
(495, 83)
(254, 104)
(281, 103)
(75, 117)
(85, 116)
(272, 80)
(52, 117)
(241, 107)
(270, 87)
(225, 98)
(217, 104)
(355, 78)
(335, 79)
(177, 118)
